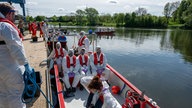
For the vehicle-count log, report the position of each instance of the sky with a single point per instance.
(64, 7)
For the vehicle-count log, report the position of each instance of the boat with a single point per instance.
(127, 95)
(107, 31)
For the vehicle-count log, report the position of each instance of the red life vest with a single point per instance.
(68, 61)
(57, 53)
(80, 43)
(96, 60)
(34, 27)
(81, 60)
(7, 21)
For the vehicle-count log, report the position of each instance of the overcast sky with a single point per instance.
(63, 7)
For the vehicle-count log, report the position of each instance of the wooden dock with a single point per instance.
(36, 53)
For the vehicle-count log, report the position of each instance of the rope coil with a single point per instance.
(30, 89)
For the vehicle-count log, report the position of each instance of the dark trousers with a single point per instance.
(22, 31)
(98, 104)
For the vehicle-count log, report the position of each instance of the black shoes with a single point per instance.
(81, 87)
(68, 95)
(73, 89)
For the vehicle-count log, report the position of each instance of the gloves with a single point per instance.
(28, 68)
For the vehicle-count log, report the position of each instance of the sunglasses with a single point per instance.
(14, 11)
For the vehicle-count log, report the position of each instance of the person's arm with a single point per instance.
(92, 63)
(88, 66)
(14, 43)
(104, 61)
(51, 55)
(64, 65)
(86, 42)
(65, 52)
(77, 67)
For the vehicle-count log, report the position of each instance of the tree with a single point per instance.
(79, 16)
(187, 17)
(141, 11)
(54, 18)
(105, 18)
(174, 7)
(167, 11)
(29, 18)
(92, 16)
(40, 18)
(119, 19)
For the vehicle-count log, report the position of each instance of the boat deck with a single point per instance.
(80, 99)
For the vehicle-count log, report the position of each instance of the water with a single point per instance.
(158, 61)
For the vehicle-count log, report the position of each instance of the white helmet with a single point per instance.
(71, 51)
(82, 33)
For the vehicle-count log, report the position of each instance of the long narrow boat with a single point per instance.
(128, 96)
(116, 79)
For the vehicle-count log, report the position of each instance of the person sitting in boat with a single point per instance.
(83, 63)
(83, 42)
(70, 71)
(98, 62)
(100, 96)
(58, 53)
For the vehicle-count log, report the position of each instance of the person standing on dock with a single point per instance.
(83, 42)
(41, 29)
(70, 71)
(34, 29)
(29, 27)
(45, 29)
(13, 58)
(20, 26)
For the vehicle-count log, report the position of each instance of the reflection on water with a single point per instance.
(158, 61)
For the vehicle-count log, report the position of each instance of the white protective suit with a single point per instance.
(85, 42)
(12, 57)
(84, 67)
(58, 60)
(87, 79)
(44, 29)
(68, 70)
(99, 66)
(109, 100)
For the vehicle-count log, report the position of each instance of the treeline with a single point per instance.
(179, 12)
(174, 13)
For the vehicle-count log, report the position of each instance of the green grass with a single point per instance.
(175, 25)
